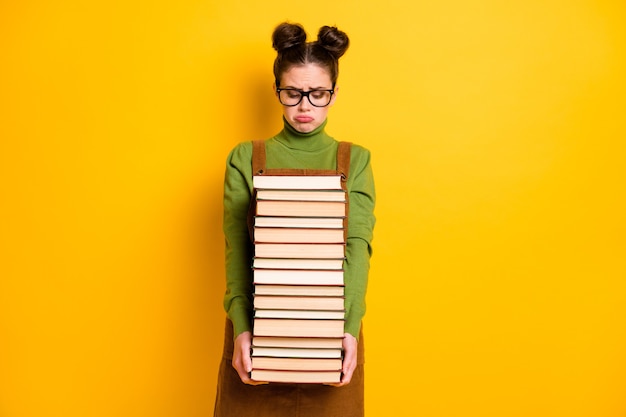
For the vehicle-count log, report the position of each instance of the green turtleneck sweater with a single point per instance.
(292, 149)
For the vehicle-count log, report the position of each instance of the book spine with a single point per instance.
(298, 277)
(287, 182)
(296, 235)
(300, 208)
(298, 327)
(301, 303)
(300, 250)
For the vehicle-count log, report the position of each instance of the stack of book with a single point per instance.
(299, 241)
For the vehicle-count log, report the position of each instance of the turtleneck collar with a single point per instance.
(311, 141)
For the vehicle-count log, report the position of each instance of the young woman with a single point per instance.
(306, 87)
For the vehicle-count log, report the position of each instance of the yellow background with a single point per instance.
(498, 284)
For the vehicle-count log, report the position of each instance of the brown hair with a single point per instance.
(289, 41)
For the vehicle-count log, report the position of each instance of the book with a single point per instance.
(286, 263)
(297, 182)
(300, 250)
(301, 195)
(297, 277)
(304, 222)
(299, 314)
(312, 290)
(284, 235)
(297, 328)
(298, 342)
(282, 352)
(282, 302)
(296, 364)
(296, 377)
(300, 208)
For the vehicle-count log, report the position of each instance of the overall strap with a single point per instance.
(343, 160)
(258, 157)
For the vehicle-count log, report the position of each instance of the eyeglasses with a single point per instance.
(291, 97)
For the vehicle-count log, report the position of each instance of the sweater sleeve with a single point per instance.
(237, 194)
(361, 222)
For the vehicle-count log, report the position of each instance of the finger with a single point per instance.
(247, 362)
(243, 375)
(347, 376)
(348, 371)
(345, 380)
(253, 382)
(248, 380)
(245, 378)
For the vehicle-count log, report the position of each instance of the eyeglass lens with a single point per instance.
(318, 98)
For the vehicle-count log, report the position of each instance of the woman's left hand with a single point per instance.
(349, 359)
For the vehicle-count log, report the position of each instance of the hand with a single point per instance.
(349, 359)
(241, 358)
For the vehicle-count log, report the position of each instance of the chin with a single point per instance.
(302, 127)
(305, 129)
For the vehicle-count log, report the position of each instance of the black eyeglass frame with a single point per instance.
(305, 94)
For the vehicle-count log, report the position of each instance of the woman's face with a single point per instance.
(305, 117)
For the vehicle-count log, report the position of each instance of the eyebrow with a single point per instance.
(312, 89)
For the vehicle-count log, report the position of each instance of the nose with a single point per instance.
(304, 104)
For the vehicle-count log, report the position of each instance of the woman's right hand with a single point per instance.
(241, 358)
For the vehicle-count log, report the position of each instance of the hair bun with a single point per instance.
(333, 40)
(288, 35)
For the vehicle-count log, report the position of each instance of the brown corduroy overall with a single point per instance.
(236, 399)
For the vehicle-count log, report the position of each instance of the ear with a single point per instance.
(334, 97)
(274, 88)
